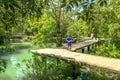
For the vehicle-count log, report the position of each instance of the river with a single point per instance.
(22, 51)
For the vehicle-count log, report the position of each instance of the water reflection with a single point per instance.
(15, 64)
(13, 61)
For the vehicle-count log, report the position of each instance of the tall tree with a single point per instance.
(57, 13)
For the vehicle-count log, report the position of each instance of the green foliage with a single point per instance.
(107, 49)
(3, 36)
(45, 30)
(102, 2)
(87, 73)
(14, 14)
(6, 49)
(114, 31)
(11, 48)
(77, 28)
(44, 68)
(2, 33)
(3, 65)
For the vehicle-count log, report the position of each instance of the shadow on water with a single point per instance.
(22, 51)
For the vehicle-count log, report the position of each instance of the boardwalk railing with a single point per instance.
(83, 44)
(87, 43)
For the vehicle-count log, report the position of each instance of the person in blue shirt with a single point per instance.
(69, 42)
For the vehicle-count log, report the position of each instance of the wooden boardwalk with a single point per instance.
(109, 64)
(87, 43)
(83, 44)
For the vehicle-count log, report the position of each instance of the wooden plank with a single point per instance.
(106, 63)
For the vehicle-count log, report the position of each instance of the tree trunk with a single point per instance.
(59, 35)
(1, 40)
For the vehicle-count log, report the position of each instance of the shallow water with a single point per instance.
(21, 52)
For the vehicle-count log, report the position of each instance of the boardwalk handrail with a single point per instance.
(106, 63)
(84, 44)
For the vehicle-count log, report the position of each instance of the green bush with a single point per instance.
(10, 48)
(3, 65)
(107, 49)
(114, 34)
(45, 68)
(6, 49)
(87, 73)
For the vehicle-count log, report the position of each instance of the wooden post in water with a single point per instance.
(75, 70)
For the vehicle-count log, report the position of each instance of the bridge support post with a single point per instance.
(93, 45)
(83, 50)
(96, 45)
(88, 48)
(99, 42)
(75, 70)
(44, 61)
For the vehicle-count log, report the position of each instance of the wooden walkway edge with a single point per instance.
(83, 44)
(106, 63)
(87, 43)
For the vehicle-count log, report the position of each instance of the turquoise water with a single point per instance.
(22, 51)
